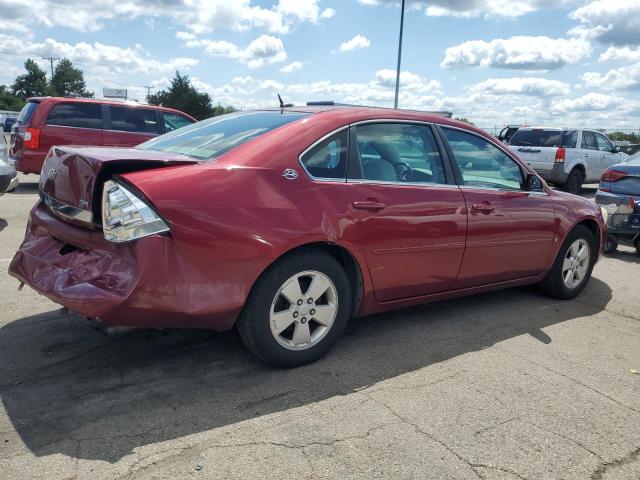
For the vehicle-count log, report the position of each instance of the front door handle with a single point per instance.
(369, 205)
(482, 207)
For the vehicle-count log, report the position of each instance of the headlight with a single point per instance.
(125, 217)
(605, 213)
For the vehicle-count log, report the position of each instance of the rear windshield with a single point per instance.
(27, 112)
(544, 138)
(211, 138)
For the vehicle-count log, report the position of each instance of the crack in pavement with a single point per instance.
(601, 471)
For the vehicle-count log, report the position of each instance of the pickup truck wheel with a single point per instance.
(610, 244)
(297, 310)
(572, 268)
(574, 182)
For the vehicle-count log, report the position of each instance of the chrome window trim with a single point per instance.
(503, 150)
(68, 126)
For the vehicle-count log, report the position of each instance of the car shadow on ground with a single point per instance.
(24, 188)
(69, 388)
(3, 224)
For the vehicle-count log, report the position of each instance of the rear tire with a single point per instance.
(574, 182)
(572, 269)
(637, 245)
(282, 323)
(610, 244)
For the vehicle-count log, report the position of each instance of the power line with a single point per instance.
(51, 60)
(149, 88)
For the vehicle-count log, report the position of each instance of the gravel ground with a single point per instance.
(501, 386)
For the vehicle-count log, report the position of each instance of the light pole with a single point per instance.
(395, 102)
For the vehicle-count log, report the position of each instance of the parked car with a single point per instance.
(507, 132)
(619, 194)
(7, 123)
(48, 121)
(287, 222)
(566, 157)
(8, 174)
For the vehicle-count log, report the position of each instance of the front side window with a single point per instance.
(79, 115)
(328, 159)
(138, 120)
(589, 141)
(173, 121)
(482, 164)
(603, 144)
(215, 136)
(399, 152)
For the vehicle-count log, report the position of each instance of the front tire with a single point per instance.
(572, 268)
(297, 310)
(574, 182)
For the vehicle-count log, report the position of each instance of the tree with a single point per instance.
(183, 96)
(465, 120)
(8, 101)
(31, 84)
(68, 81)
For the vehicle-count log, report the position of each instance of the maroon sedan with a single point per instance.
(288, 222)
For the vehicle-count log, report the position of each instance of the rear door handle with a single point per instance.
(369, 205)
(483, 207)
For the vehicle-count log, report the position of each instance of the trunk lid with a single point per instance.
(72, 177)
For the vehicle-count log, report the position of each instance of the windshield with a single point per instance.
(544, 138)
(211, 138)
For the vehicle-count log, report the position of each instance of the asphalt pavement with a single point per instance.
(502, 386)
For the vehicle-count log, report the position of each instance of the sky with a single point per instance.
(496, 62)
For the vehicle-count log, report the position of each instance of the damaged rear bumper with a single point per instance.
(145, 283)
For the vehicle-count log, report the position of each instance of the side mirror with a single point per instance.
(533, 183)
(616, 150)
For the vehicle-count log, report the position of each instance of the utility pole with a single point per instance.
(149, 88)
(395, 102)
(51, 60)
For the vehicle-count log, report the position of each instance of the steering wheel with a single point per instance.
(404, 171)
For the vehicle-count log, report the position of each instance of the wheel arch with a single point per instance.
(594, 228)
(343, 256)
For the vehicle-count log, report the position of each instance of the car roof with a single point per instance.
(102, 101)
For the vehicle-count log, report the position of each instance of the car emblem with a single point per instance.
(52, 174)
(290, 174)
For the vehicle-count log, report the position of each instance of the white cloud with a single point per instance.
(264, 50)
(626, 78)
(475, 8)
(588, 103)
(198, 16)
(533, 86)
(328, 13)
(620, 54)
(180, 35)
(357, 42)
(518, 52)
(609, 21)
(292, 67)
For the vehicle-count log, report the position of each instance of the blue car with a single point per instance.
(619, 194)
(8, 123)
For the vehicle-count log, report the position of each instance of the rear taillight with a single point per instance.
(610, 175)
(560, 155)
(32, 138)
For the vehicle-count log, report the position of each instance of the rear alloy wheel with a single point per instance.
(573, 265)
(574, 182)
(297, 310)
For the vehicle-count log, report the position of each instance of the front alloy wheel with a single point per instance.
(576, 263)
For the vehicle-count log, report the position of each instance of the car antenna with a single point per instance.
(282, 104)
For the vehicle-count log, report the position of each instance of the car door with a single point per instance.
(128, 126)
(408, 214)
(608, 156)
(590, 155)
(510, 230)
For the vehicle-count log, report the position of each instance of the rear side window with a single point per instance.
(570, 139)
(215, 136)
(537, 137)
(173, 121)
(399, 152)
(589, 141)
(482, 164)
(27, 112)
(139, 120)
(328, 159)
(79, 115)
